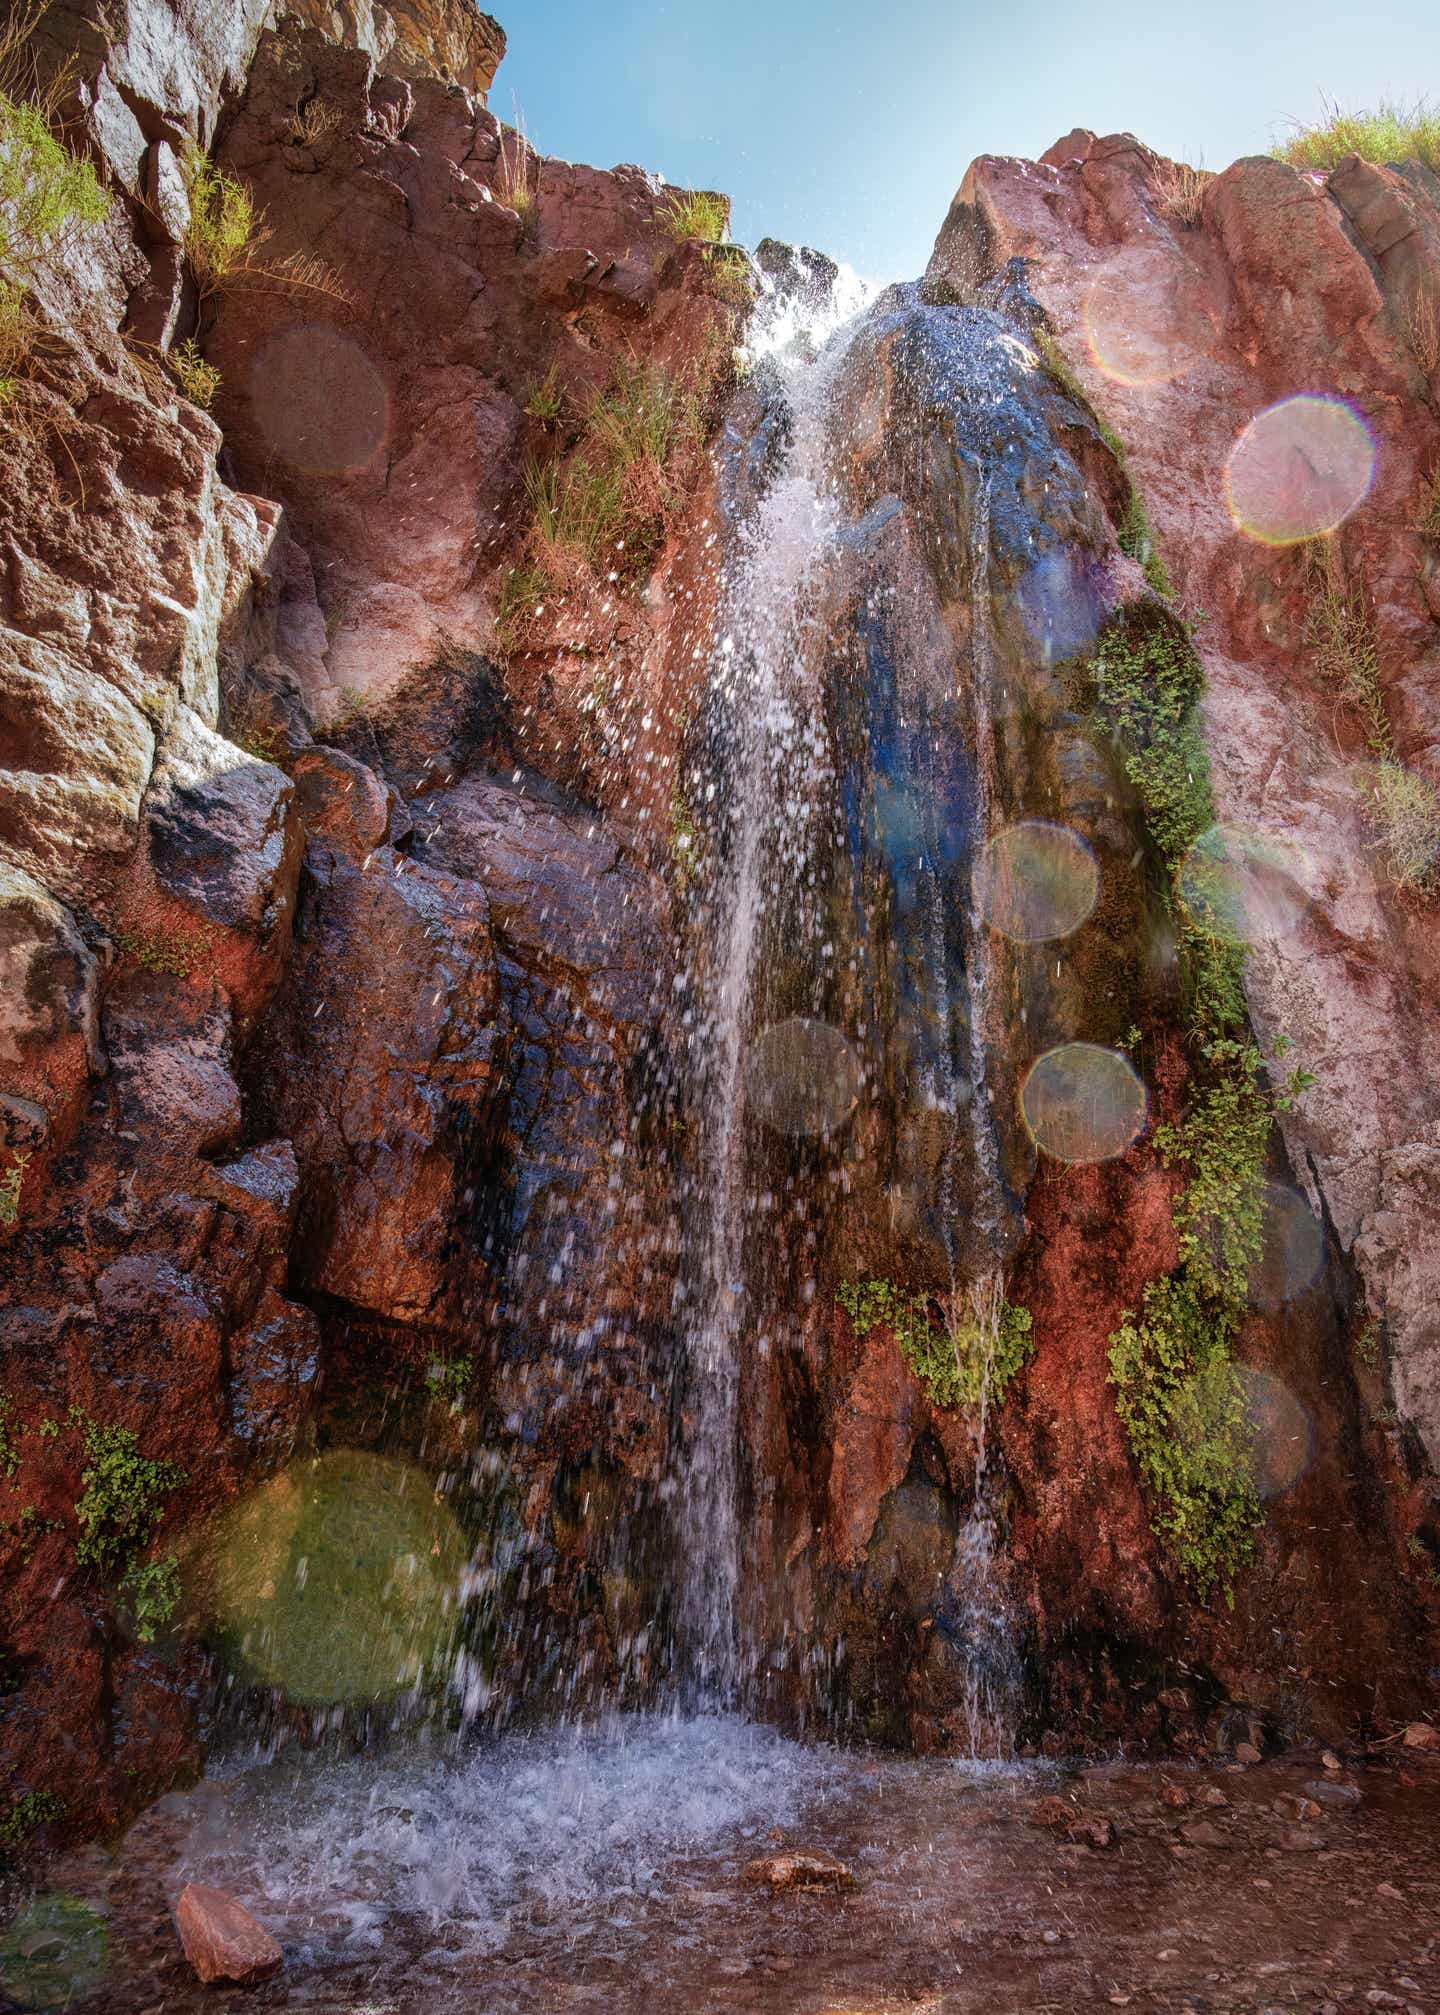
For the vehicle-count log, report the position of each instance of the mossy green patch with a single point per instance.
(121, 1497)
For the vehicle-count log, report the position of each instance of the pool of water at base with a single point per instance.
(605, 1869)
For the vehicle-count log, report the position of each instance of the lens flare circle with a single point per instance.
(1299, 469)
(803, 1077)
(1034, 882)
(1250, 887)
(54, 1953)
(1282, 1434)
(1292, 1252)
(337, 1580)
(319, 401)
(1083, 1103)
(1136, 323)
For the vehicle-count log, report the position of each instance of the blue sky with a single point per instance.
(849, 126)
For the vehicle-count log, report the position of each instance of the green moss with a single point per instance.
(959, 1364)
(1138, 541)
(446, 1379)
(11, 1184)
(164, 950)
(9, 1453)
(33, 1810)
(121, 1497)
(1149, 681)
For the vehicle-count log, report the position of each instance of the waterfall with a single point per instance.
(846, 777)
(765, 714)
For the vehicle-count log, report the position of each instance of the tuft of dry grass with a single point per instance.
(1422, 326)
(312, 123)
(1341, 636)
(1179, 191)
(1427, 515)
(227, 236)
(514, 183)
(1391, 132)
(1407, 818)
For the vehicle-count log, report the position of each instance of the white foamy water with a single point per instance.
(570, 1822)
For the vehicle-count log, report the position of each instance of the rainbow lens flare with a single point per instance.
(1135, 321)
(1083, 1103)
(1299, 469)
(1245, 886)
(1034, 882)
(1292, 1251)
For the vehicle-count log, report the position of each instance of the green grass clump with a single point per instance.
(1149, 682)
(198, 380)
(11, 1184)
(960, 1364)
(1391, 132)
(1407, 818)
(546, 402)
(697, 215)
(635, 422)
(1405, 808)
(121, 1493)
(579, 511)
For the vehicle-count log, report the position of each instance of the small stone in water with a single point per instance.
(222, 1940)
(1175, 1796)
(1290, 1805)
(1200, 1833)
(800, 1868)
(1213, 1795)
(1329, 1760)
(1246, 1752)
(1421, 1735)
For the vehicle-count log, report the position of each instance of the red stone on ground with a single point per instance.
(222, 1940)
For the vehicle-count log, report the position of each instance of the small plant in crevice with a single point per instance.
(150, 1591)
(1180, 191)
(11, 1184)
(1422, 327)
(684, 839)
(959, 1362)
(546, 401)
(1405, 806)
(446, 1380)
(514, 186)
(312, 123)
(198, 380)
(697, 216)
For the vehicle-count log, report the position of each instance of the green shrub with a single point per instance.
(223, 228)
(120, 1497)
(1392, 132)
(44, 188)
(152, 1593)
(1182, 1404)
(198, 380)
(960, 1364)
(697, 214)
(11, 1184)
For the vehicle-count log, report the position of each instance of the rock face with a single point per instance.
(1181, 332)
